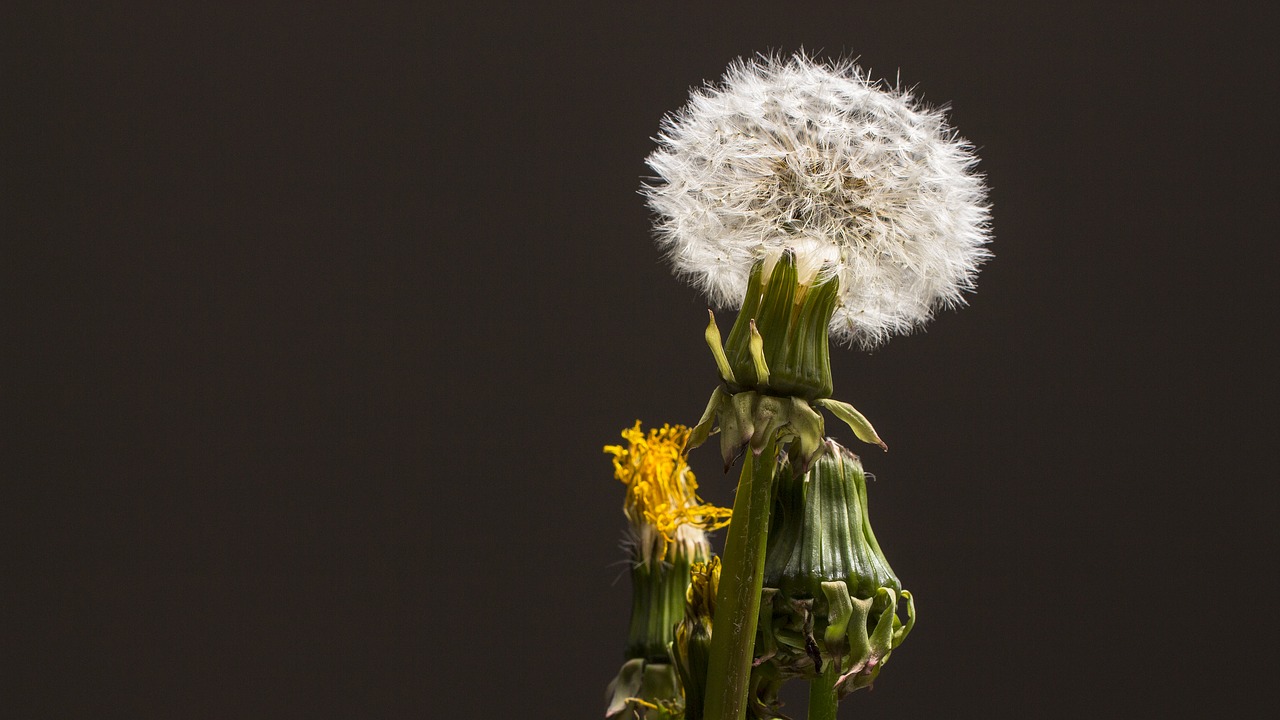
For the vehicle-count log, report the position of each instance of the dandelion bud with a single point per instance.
(834, 596)
(692, 647)
(821, 531)
(668, 537)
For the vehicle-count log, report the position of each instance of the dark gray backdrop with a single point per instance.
(317, 320)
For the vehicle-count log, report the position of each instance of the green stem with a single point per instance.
(822, 694)
(737, 611)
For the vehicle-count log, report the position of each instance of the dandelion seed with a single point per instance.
(858, 180)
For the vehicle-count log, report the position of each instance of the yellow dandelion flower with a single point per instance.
(662, 493)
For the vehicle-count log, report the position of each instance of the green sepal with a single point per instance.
(737, 426)
(779, 342)
(652, 682)
(882, 636)
(805, 368)
(756, 346)
(691, 664)
(839, 612)
(859, 642)
(788, 629)
(712, 336)
(879, 645)
(704, 428)
(657, 602)
(740, 333)
(821, 530)
(777, 308)
(901, 631)
(769, 418)
(755, 419)
(808, 428)
(855, 420)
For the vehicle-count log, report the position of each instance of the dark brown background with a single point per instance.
(316, 321)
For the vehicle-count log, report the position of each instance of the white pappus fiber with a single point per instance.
(856, 178)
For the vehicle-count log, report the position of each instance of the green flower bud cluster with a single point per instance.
(648, 686)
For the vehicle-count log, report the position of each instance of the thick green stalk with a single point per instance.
(822, 694)
(737, 610)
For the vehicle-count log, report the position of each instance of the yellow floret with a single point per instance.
(662, 492)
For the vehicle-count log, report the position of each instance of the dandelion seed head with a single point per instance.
(857, 179)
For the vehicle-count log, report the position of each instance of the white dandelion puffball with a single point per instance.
(856, 179)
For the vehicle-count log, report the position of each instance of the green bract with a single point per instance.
(644, 688)
(790, 320)
(821, 531)
(776, 369)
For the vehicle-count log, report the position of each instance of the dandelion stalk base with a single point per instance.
(823, 701)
